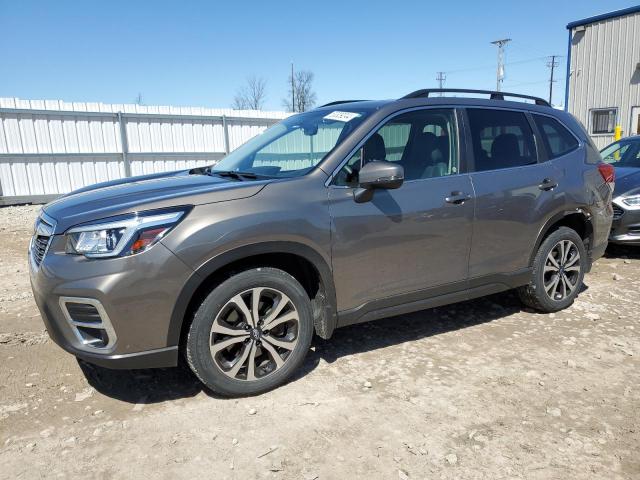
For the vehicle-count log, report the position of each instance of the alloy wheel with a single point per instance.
(254, 334)
(562, 270)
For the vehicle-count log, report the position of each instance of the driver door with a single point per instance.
(411, 242)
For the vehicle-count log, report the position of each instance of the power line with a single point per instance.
(536, 82)
(500, 70)
(487, 67)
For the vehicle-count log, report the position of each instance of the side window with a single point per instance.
(556, 137)
(623, 154)
(614, 153)
(395, 136)
(501, 139)
(424, 142)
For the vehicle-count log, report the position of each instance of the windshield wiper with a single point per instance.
(236, 175)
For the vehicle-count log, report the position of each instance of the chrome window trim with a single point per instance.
(328, 183)
(105, 324)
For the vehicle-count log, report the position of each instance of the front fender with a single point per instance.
(326, 321)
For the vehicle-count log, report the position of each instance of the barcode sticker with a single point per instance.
(341, 116)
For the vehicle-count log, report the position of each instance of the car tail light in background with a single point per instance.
(608, 172)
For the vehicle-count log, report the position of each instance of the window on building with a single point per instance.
(557, 139)
(603, 121)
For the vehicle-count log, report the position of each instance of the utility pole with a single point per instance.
(500, 71)
(552, 65)
(293, 91)
(440, 78)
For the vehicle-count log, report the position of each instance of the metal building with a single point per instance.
(603, 74)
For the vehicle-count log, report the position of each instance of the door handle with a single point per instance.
(548, 184)
(457, 198)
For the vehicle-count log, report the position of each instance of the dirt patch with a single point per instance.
(481, 389)
(24, 338)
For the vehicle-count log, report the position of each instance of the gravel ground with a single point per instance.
(482, 389)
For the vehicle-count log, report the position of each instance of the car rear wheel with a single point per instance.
(558, 272)
(250, 333)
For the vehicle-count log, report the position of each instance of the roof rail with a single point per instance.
(494, 95)
(338, 102)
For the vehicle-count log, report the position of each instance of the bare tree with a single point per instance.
(301, 95)
(252, 95)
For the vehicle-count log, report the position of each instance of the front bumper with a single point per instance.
(625, 228)
(138, 293)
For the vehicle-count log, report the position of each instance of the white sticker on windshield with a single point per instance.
(341, 116)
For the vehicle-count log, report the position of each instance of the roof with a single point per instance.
(605, 16)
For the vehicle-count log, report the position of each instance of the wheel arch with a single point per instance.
(578, 220)
(301, 261)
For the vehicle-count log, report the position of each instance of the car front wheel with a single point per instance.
(250, 333)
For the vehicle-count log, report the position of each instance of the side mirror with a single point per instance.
(377, 174)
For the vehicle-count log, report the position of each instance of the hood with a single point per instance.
(627, 179)
(146, 193)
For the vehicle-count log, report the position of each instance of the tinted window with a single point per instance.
(556, 138)
(500, 139)
(424, 142)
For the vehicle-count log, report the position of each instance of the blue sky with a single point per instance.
(198, 53)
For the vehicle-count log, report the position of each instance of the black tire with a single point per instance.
(201, 339)
(535, 295)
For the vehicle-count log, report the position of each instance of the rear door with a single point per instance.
(412, 239)
(515, 193)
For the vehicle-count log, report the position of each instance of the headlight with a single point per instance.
(633, 201)
(122, 236)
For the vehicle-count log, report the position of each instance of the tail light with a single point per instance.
(608, 172)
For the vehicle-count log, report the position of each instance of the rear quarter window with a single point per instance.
(557, 139)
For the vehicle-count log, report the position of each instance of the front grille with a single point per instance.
(89, 323)
(39, 248)
(41, 240)
(617, 212)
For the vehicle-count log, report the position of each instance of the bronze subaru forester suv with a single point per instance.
(353, 211)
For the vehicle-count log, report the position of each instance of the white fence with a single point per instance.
(50, 147)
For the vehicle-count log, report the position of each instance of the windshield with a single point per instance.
(625, 153)
(295, 145)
